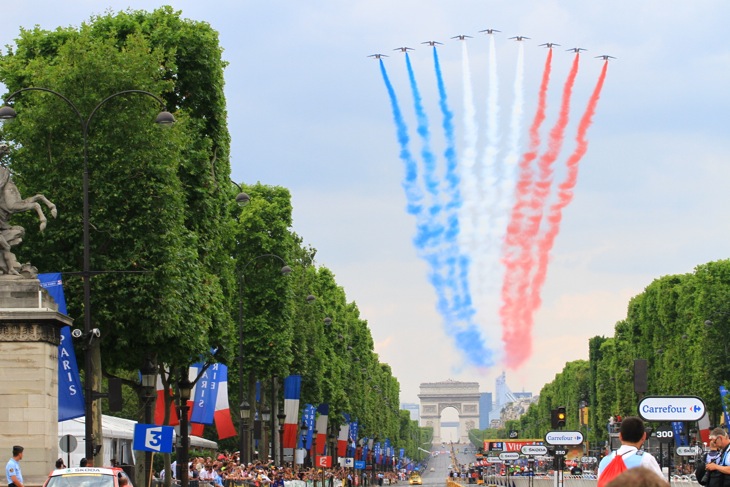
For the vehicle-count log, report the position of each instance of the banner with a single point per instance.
(292, 391)
(308, 419)
(206, 392)
(679, 439)
(724, 401)
(323, 411)
(70, 393)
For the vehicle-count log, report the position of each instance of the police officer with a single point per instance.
(719, 469)
(12, 469)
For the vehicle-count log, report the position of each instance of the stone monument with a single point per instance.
(30, 327)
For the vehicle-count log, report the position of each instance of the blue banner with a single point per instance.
(724, 400)
(360, 464)
(206, 393)
(679, 438)
(308, 416)
(150, 437)
(70, 393)
(402, 452)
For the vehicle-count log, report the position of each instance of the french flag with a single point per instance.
(321, 427)
(160, 406)
(292, 391)
(342, 440)
(222, 415)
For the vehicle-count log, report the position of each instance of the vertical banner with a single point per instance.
(308, 420)
(292, 390)
(206, 393)
(70, 393)
(724, 401)
(321, 427)
(223, 420)
(677, 429)
(353, 438)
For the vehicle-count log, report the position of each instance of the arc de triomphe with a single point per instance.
(462, 396)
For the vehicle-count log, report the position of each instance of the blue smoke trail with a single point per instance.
(429, 160)
(414, 196)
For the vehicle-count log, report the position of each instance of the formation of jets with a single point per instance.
(463, 37)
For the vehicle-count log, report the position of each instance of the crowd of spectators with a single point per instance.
(225, 470)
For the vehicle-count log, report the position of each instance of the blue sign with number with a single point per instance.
(150, 437)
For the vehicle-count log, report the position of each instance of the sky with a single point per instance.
(308, 110)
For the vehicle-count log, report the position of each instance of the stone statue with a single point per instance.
(12, 202)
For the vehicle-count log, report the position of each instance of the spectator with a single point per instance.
(632, 436)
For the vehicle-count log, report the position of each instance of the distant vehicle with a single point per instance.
(377, 56)
(461, 38)
(519, 38)
(86, 477)
(605, 57)
(451, 467)
(549, 45)
(433, 469)
(415, 479)
(576, 50)
(432, 43)
(403, 49)
(490, 31)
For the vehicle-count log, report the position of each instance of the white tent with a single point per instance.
(117, 434)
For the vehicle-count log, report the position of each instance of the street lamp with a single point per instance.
(92, 377)
(184, 387)
(265, 418)
(244, 411)
(285, 270)
(281, 416)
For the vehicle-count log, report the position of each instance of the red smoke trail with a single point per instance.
(516, 320)
(565, 192)
(522, 193)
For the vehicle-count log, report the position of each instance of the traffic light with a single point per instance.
(560, 416)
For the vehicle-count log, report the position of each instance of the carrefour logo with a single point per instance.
(671, 408)
(564, 438)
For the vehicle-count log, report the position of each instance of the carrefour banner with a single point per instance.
(70, 393)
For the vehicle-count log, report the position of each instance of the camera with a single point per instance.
(706, 477)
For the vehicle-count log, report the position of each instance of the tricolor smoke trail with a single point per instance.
(500, 206)
(517, 310)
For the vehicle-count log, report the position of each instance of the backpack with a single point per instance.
(615, 468)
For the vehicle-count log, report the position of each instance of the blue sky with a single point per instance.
(309, 111)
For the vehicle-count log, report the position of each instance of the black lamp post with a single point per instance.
(92, 376)
(265, 418)
(281, 416)
(244, 411)
(149, 381)
(303, 435)
(285, 270)
(184, 389)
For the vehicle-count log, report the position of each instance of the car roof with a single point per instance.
(101, 470)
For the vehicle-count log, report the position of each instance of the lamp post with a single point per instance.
(92, 379)
(303, 435)
(149, 380)
(265, 418)
(281, 416)
(285, 270)
(184, 388)
(244, 411)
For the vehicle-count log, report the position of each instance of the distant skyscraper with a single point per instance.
(413, 409)
(504, 396)
(485, 406)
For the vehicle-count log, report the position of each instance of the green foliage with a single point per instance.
(665, 325)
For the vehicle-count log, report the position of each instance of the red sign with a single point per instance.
(323, 461)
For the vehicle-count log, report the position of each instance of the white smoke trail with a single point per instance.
(486, 255)
(469, 188)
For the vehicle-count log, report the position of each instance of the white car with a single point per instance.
(433, 469)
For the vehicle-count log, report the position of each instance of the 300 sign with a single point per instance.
(665, 434)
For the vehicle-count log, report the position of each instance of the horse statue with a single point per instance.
(12, 202)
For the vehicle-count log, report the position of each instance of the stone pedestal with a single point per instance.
(29, 336)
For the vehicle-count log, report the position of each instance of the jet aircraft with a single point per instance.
(519, 38)
(461, 37)
(549, 45)
(605, 57)
(490, 31)
(403, 49)
(576, 50)
(377, 56)
(432, 43)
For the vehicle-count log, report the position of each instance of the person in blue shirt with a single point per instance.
(12, 469)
